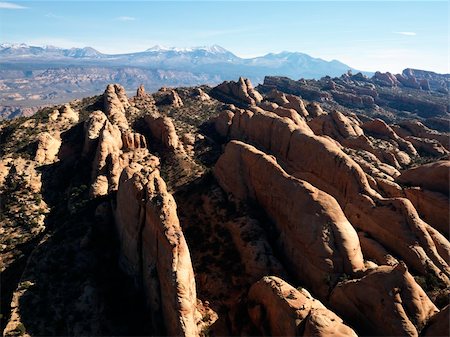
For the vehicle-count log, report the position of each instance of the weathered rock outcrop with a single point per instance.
(67, 113)
(439, 324)
(64, 114)
(201, 95)
(47, 148)
(92, 128)
(143, 101)
(404, 308)
(317, 240)
(278, 309)
(314, 109)
(154, 250)
(304, 153)
(433, 176)
(239, 93)
(170, 97)
(277, 97)
(379, 128)
(108, 149)
(133, 140)
(288, 113)
(337, 126)
(433, 207)
(163, 130)
(430, 147)
(141, 93)
(297, 104)
(116, 104)
(323, 164)
(416, 246)
(417, 129)
(348, 132)
(375, 252)
(386, 79)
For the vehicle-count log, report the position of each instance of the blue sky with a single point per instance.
(367, 35)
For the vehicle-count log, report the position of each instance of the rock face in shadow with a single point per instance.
(404, 308)
(163, 130)
(304, 216)
(154, 250)
(170, 97)
(439, 324)
(278, 309)
(254, 249)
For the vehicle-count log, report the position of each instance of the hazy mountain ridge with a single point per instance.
(187, 58)
(33, 76)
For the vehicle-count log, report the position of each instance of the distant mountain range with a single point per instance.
(33, 76)
(212, 60)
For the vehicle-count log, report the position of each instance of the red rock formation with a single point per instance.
(408, 81)
(163, 130)
(379, 128)
(439, 324)
(314, 109)
(92, 128)
(116, 103)
(109, 145)
(430, 147)
(201, 95)
(47, 148)
(386, 301)
(277, 97)
(417, 129)
(154, 250)
(317, 240)
(297, 104)
(323, 164)
(140, 92)
(432, 176)
(385, 79)
(133, 140)
(278, 309)
(441, 243)
(375, 252)
(170, 97)
(416, 246)
(240, 92)
(433, 207)
(337, 126)
(67, 113)
(289, 113)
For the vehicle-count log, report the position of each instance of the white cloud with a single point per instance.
(53, 16)
(10, 5)
(406, 33)
(126, 18)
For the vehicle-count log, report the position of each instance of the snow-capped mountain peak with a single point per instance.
(13, 45)
(214, 49)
